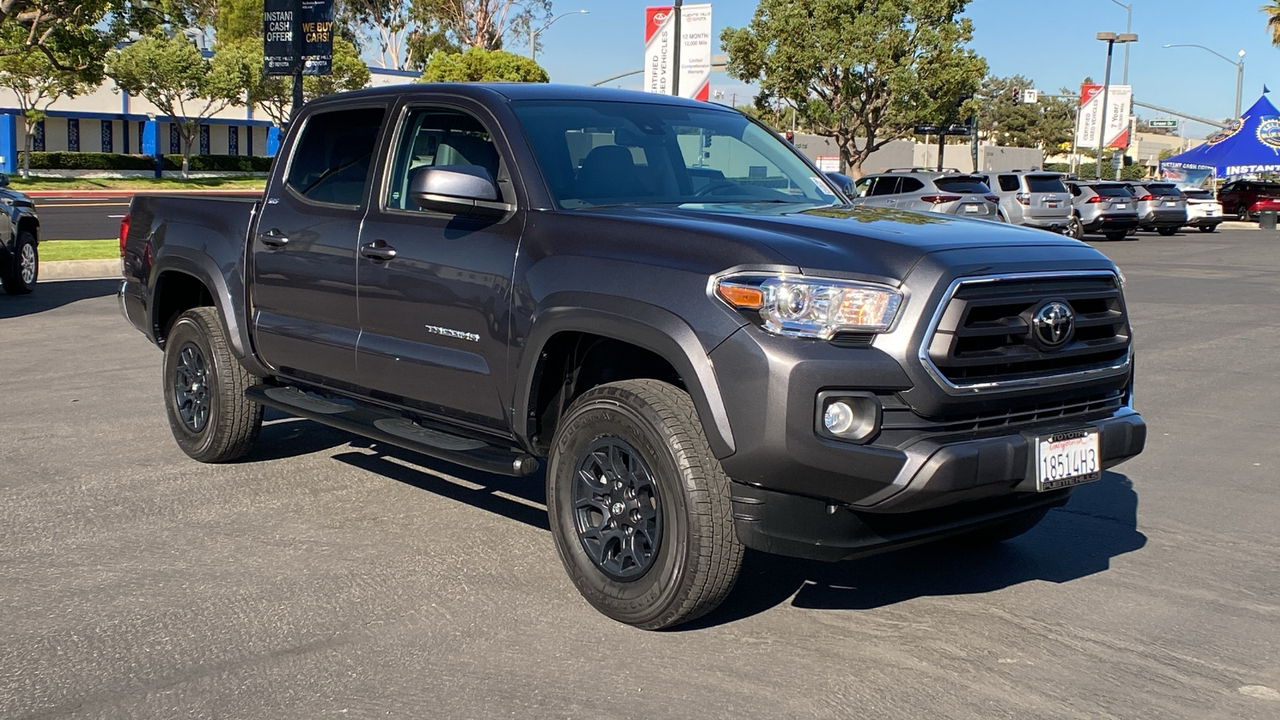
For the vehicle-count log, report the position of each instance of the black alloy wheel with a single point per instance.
(191, 388)
(1242, 213)
(617, 509)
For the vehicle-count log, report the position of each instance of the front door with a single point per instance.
(435, 288)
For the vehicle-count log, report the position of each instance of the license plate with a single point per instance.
(1066, 459)
(1210, 213)
(1120, 206)
(1052, 204)
(971, 208)
(1167, 203)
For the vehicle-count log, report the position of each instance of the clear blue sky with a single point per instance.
(1050, 42)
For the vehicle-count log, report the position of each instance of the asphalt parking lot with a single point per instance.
(328, 576)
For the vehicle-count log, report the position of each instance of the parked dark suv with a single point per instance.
(19, 253)
(1240, 198)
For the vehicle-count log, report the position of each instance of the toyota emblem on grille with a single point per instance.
(1052, 324)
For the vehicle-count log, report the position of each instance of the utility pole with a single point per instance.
(675, 55)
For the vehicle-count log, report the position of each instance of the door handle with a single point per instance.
(378, 251)
(273, 238)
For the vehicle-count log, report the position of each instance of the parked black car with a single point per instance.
(19, 241)
(661, 298)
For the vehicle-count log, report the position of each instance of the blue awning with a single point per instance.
(1251, 147)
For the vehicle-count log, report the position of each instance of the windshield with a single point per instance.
(962, 184)
(614, 153)
(1164, 190)
(1198, 194)
(1112, 191)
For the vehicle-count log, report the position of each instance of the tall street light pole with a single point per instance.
(1239, 69)
(533, 34)
(1110, 39)
(1128, 28)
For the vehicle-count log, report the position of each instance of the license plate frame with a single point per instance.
(1066, 459)
(1121, 206)
(972, 208)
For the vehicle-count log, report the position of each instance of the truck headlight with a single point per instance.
(803, 307)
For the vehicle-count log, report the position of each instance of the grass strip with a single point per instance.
(53, 250)
(147, 184)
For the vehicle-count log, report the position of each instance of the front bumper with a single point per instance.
(797, 492)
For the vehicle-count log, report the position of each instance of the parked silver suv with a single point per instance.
(929, 191)
(1161, 206)
(1033, 198)
(1104, 207)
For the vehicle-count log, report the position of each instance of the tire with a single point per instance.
(1208, 228)
(670, 502)
(1075, 229)
(1168, 231)
(1242, 213)
(1005, 529)
(204, 388)
(1116, 235)
(26, 265)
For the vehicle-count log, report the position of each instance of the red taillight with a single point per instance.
(992, 198)
(124, 232)
(939, 199)
(1146, 198)
(1097, 199)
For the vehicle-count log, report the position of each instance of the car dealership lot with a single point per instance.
(328, 575)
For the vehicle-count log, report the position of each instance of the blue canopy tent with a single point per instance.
(1251, 147)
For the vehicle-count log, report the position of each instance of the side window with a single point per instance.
(1009, 183)
(910, 185)
(436, 137)
(331, 159)
(1075, 189)
(884, 186)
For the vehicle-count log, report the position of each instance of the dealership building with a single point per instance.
(109, 120)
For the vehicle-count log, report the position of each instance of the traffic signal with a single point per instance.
(1017, 96)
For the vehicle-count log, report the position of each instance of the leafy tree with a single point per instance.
(37, 84)
(1272, 11)
(1003, 117)
(860, 71)
(172, 74)
(390, 22)
(477, 23)
(73, 34)
(274, 93)
(479, 65)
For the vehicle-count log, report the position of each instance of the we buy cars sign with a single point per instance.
(1113, 123)
(695, 51)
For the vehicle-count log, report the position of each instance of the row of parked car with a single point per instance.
(1040, 199)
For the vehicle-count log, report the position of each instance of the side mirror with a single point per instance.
(841, 181)
(456, 189)
(4, 180)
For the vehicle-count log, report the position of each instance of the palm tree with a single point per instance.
(1272, 11)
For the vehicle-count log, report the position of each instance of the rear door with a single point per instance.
(1045, 197)
(304, 250)
(435, 288)
(965, 195)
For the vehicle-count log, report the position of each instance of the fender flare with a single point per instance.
(648, 326)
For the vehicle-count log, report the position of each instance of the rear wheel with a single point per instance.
(1116, 235)
(1208, 228)
(26, 266)
(639, 507)
(1075, 229)
(204, 388)
(1168, 231)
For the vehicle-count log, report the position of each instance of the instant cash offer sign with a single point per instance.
(1113, 123)
(695, 51)
(297, 35)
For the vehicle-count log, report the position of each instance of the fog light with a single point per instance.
(849, 415)
(838, 418)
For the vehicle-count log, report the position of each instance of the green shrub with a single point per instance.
(117, 161)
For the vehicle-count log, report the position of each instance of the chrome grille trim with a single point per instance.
(995, 386)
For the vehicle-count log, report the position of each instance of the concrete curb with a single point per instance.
(80, 269)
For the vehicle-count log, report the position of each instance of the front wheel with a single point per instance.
(639, 506)
(1242, 213)
(26, 266)
(1168, 231)
(204, 388)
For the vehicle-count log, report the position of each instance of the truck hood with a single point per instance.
(877, 242)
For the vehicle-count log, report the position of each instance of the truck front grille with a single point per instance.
(985, 335)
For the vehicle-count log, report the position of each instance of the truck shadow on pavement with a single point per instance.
(1074, 541)
(52, 295)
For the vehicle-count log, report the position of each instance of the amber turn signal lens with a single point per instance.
(742, 297)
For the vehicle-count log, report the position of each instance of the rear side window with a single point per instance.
(1009, 183)
(331, 160)
(910, 185)
(1045, 184)
(962, 184)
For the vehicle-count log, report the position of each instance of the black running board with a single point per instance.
(396, 430)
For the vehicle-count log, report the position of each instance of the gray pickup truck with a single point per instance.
(662, 301)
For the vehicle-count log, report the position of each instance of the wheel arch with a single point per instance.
(563, 340)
